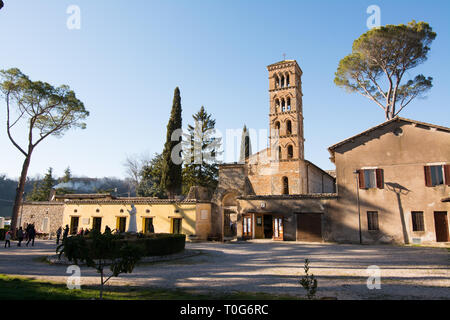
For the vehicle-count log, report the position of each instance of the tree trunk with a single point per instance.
(19, 193)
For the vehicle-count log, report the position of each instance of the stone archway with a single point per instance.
(230, 211)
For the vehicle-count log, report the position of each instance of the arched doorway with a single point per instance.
(230, 209)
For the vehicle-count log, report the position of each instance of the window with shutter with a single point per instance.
(362, 184)
(435, 175)
(371, 178)
(427, 176)
(447, 174)
(380, 178)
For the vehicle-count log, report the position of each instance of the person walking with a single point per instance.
(20, 236)
(66, 232)
(31, 236)
(58, 235)
(8, 239)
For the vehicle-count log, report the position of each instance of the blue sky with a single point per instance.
(128, 57)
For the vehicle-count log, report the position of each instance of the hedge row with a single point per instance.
(161, 244)
(156, 244)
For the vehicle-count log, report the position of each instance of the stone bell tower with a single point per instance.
(286, 126)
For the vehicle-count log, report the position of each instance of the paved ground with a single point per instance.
(406, 272)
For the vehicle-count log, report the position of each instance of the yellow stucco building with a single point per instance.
(190, 216)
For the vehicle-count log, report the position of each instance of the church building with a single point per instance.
(391, 183)
(277, 188)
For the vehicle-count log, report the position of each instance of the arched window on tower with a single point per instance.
(279, 153)
(285, 185)
(277, 128)
(277, 105)
(290, 152)
(288, 104)
(289, 127)
(287, 80)
(282, 82)
(283, 105)
(277, 82)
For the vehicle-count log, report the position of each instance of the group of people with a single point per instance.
(29, 235)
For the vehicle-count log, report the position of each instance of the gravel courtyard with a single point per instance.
(341, 270)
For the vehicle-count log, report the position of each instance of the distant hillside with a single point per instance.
(76, 185)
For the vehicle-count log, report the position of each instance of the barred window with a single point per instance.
(372, 221)
(417, 221)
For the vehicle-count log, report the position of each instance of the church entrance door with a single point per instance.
(247, 227)
(278, 232)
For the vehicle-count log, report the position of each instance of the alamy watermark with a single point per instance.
(374, 20)
(74, 20)
(374, 279)
(74, 280)
(212, 146)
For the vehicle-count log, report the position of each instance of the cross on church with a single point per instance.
(284, 56)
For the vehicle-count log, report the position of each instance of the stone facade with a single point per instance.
(47, 217)
(278, 171)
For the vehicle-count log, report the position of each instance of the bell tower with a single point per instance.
(286, 126)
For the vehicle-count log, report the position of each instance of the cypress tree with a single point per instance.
(171, 177)
(246, 147)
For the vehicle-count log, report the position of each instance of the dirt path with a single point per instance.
(406, 272)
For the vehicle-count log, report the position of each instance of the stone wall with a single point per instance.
(46, 216)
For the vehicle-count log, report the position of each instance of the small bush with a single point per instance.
(2, 234)
(308, 282)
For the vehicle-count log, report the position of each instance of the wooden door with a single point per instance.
(74, 225)
(176, 225)
(259, 226)
(97, 224)
(148, 225)
(278, 231)
(247, 227)
(121, 224)
(309, 227)
(441, 225)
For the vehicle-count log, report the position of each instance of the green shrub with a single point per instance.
(308, 282)
(2, 234)
(154, 244)
(163, 244)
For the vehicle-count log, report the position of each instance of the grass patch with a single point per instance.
(19, 288)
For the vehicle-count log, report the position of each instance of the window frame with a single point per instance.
(378, 174)
(373, 225)
(414, 223)
(430, 173)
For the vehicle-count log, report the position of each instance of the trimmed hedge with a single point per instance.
(155, 244)
(162, 244)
